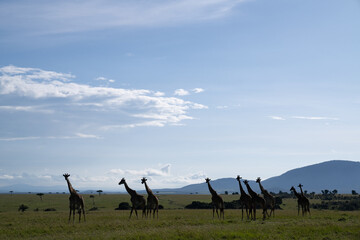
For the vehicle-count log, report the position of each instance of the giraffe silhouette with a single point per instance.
(245, 200)
(300, 201)
(137, 201)
(256, 199)
(75, 199)
(269, 199)
(152, 200)
(305, 199)
(217, 201)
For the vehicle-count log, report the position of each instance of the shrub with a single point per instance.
(23, 208)
(49, 209)
(123, 206)
(199, 205)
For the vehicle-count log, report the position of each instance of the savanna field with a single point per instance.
(174, 221)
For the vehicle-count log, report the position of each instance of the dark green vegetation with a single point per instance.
(174, 222)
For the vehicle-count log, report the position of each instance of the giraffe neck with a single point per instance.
(71, 189)
(212, 191)
(297, 194)
(241, 189)
(148, 190)
(251, 192)
(302, 193)
(261, 188)
(129, 190)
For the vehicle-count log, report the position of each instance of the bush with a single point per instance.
(49, 209)
(199, 205)
(123, 206)
(23, 208)
(348, 205)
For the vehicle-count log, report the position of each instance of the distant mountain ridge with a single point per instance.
(341, 175)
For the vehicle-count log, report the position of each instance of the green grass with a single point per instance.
(173, 222)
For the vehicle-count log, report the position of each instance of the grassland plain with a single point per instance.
(174, 222)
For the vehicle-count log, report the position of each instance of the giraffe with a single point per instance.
(152, 200)
(245, 200)
(256, 199)
(306, 200)
(75, 199)
(300, 200)
(269, 199)
(136, 199)
(217, 200)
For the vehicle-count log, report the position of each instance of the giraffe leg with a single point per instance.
(298, 209)
(217, 213)
(73, 209)
(254, 209)
(144, 213)
(136, 213)
(132, 209)
(69, 214)
(242, 212)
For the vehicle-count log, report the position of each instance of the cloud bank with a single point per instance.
(46, 17)
(48, 92)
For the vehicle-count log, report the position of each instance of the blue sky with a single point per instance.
(175, 90)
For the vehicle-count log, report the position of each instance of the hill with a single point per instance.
(341, 175)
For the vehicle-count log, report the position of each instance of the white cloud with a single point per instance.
(160, 177)
(277, 118)
(222, 107)
(315, 118)
(40, 85)
(76, 136)
(73, 16)
(25, 109)
(163, 171)
(104, 79)
(7, 177)
(198, 90)
(181, 92)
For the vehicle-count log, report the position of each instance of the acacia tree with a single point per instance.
(40, 195)
(93, 199)
(99, 191)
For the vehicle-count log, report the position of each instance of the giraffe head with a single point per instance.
(238, 178)
(246, 181)
(122, 181)
(207, 180)
(66, 175)
(258, 180)
(292, 189)
(300, 185)
(143, 180)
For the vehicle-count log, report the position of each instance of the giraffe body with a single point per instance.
(269, 199)
(76, 201)
(152, 200)
(245, 200)
(217, 201)
(256, 199)
(137, 201)
(301, 201)
(306, 200)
